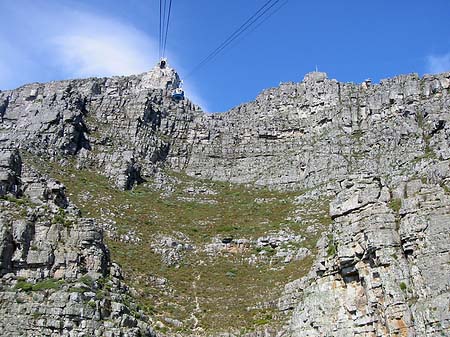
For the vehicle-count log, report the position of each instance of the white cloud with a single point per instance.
(438, 63)
(90, 45)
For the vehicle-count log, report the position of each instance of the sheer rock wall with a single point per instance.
(382, 149)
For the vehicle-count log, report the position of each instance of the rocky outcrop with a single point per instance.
(304, 134)
(10, 170)
(120, 125)
(297, 135)
(384, 268)
(380, 150)
(56, 278)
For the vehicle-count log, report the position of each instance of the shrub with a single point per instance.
(23, 285)
(87, 280)
(77, 290)
(47, 284)
(395, 205)
(403, 286)
(332, 249)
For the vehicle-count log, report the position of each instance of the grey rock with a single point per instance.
(52, 250)
(10, 170)
(379, 271)
(375, 278)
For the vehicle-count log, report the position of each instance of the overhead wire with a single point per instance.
(267, 17)
(165, 11)
(258, 25)
(163, 26)
(261, 12)
(234, 35)
(167, 27)
(160, 27)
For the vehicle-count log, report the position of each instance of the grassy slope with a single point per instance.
(217, 290)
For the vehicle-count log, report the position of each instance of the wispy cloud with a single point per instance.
(438, 63)
(91, 45)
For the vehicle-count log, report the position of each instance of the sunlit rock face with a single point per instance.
(380, 152)
(56, 277)
(162, 76)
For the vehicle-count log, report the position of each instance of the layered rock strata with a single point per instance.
(56, 278)
(382, 151)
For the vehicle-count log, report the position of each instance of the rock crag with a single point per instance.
(379, 152)
(56, 275)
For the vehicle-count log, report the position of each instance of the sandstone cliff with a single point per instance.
(377, 155)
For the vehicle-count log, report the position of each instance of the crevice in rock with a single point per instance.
(3, 107)
(440, 125)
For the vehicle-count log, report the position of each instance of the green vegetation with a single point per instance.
(332, 249)
(428, 151)
(446, 188)
(395, 205)
(77, 290)
(403, 286)
(61, 218)
(48, 284)
(87, 280)
(18, 201)
(218, 290)
(41, 285)
(37, 315)
(23, 285)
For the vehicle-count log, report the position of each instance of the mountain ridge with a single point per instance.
(376, 157)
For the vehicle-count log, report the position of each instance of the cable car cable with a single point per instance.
(257, 26)
(266, 18)
(160, 26)
(167, 27)
(244, 27)
(229, 38)
(164, 11)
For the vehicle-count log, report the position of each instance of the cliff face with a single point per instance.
(56, 275)
(380, 152)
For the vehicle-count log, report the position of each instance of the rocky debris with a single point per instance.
(198, 194)
(173, 322)
(281, 245)
(164, 183)
(56, 278)
(288, 255)
(43, 190)
(172, 249)
(199, 191)
(124, 169)
(277, 239)
(157, 281)
(226, 244)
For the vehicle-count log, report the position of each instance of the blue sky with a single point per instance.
(351, 40)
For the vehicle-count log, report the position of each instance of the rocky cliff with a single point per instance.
(374, 156)
(56, 275)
